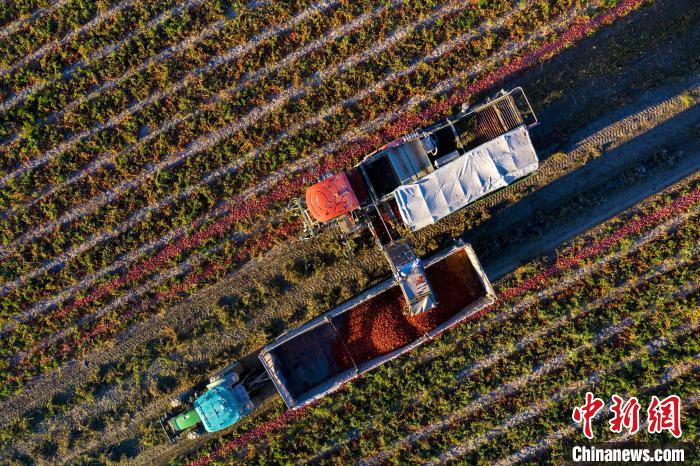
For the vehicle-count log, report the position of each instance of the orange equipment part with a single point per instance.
(331, 198)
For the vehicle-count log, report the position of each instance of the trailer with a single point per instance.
(370, 329)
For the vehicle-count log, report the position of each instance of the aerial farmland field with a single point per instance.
(157, 226)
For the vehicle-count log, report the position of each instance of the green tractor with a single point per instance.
(225, 400)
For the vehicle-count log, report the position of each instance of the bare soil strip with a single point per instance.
(212, 63)
(95, 56)
(10, 28)
(71, 36)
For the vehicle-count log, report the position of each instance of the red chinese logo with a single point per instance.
(584, 414)
(625, 415)
(662, 415)
(665, 415)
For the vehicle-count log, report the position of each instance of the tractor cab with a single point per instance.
(224, 402)
(222, 405)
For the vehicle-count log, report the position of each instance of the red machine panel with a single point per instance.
(331, 198)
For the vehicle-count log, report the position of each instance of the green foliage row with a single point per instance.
(239, 26)
(186, 210)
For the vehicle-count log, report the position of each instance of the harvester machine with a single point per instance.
(420, 178)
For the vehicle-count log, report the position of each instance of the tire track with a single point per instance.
(99, 18)
(212, 63)
(110, 401)
(200, 349)
(12, 27)
(513, 387)
(233, 166)
(607, 136)
(93, 57)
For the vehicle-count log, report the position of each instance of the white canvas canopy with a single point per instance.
(480, 171)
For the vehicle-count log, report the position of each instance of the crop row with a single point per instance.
(171, 251)
(650, 255)
(140, 233)
(567, 211)
(151, 27)
(128, 276)
(505, 331)
(136, 68)
(205, 44)
(541, 415)
(78, 53)
(680, 379)
(146, 173)
(237, 103)
(214, 115)
(15, 15)
(630, 320)
(32, 36)
(472, 343)
(102, 262)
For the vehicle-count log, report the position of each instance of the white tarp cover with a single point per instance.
(480, 171)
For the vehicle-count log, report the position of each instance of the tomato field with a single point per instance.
(149, 151)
